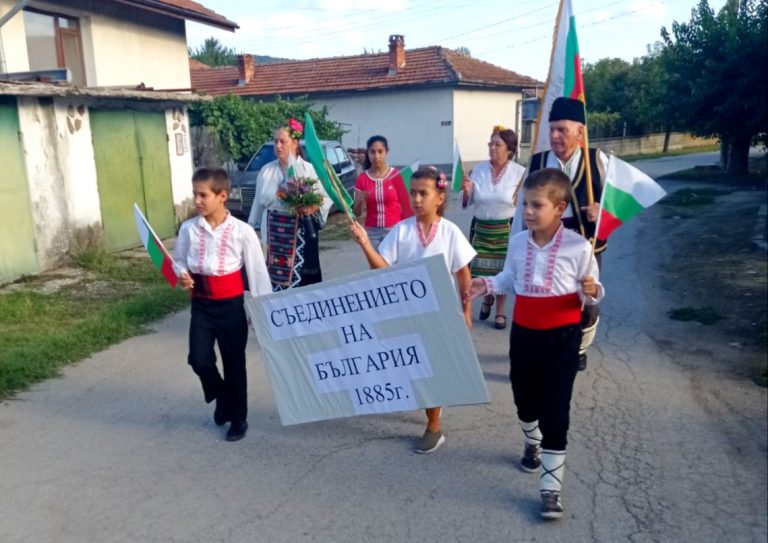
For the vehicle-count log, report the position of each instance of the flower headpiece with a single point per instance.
(440, 180)
(498, 128)
(295, 129)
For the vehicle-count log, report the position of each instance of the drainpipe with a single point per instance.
(4, 19)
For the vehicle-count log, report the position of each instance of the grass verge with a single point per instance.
(702, 315)
(49, 321)
(693, 197)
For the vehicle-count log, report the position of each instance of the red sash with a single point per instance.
(218, 287)
(547, 312)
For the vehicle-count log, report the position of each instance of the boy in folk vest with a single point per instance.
(552, 271)
(210, 252)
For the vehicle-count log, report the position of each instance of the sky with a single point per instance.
(513, 34)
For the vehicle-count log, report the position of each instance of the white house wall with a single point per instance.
(412, 121)
(13, 46)
(475, 113)
(122, 46)
(180, 155)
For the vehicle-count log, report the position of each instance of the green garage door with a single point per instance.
(17, 239)
(132, 165)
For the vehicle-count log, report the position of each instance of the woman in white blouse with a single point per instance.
(293, 253)
(491, 188)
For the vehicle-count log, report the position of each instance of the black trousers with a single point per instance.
(542, 369)
(223, 322)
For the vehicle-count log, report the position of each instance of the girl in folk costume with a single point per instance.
(425, 234)
(380, 192)
(491, 188)
(552, 271)
(293, 254)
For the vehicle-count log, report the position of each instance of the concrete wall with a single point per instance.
(62, 179)
(475, 113)
(47, 190)
(652, 143)
(180, 155)
(121, 46)
(637, 145)
(412, 121)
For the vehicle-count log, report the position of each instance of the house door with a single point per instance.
(17, 238)
(131, 153)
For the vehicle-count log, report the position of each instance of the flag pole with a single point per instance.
(541, 109)
(593, 241)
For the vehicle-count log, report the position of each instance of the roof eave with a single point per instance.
(181, 13)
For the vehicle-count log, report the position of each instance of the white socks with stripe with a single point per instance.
(531, 432)
(552, 468)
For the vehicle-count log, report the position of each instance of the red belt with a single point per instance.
(545, 313)
(218, 287)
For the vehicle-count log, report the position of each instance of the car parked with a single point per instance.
(243, 191)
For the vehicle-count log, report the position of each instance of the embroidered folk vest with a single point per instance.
(578, 222)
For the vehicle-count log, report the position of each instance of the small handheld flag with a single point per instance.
(457, 172)
(158, 254)
(407, 172)
(627, 192)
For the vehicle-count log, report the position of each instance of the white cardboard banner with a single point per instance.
(377, 342)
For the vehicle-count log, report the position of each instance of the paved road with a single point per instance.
(122, 449)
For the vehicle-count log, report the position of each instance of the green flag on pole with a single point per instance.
(457, 173)
(325, 172)
(407, 172)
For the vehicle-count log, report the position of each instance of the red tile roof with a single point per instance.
(184, 9)
(430, 66)
(195, 64)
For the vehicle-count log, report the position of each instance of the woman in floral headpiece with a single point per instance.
(491, 189)
(289, 208)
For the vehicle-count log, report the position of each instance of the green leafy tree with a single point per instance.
(607, 84)
(214, 53)
(717, 75)
(242, 125)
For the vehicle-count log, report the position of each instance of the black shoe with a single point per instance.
(582, 362)
(531, 461)
(237, 430)
(551, 505)
(220, 414)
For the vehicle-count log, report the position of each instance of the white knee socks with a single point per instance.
(552, 468)
(531, 432)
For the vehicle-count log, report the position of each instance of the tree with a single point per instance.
(717, 69)
(464, 51)
(213, 53)
(242, 125)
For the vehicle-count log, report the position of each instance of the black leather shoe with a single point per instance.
(220, 414)
(237, 430)
(582, 362)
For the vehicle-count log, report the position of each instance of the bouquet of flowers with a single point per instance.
(298, 192)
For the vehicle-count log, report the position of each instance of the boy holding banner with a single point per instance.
(210, 252)
(552, 271)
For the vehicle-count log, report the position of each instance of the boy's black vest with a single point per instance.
(578, 222)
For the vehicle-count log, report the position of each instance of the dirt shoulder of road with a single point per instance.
(710, 276)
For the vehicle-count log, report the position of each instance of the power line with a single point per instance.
(596, 23)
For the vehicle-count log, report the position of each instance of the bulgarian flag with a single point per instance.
(457, 172)
(407, 172)
(564, 78)
(325, 172)
(158, 254)
(627, 192)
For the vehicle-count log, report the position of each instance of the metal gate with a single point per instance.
(17, 239)
(132, 165)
